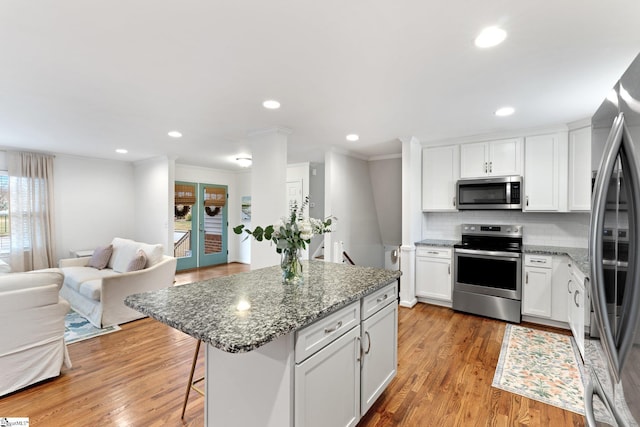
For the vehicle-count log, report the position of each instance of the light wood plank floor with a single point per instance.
(137, 377)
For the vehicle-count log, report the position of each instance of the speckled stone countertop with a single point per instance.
(438, 243)
(208, 310)
(580, 256)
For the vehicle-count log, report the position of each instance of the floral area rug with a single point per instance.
(77, 328)
(542, 366)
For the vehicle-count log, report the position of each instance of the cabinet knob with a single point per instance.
(486, 168)
(490, 166)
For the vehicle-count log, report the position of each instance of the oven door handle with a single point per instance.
(500, 254)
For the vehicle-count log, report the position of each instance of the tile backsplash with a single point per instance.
(555, 229)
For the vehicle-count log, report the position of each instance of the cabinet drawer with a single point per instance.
(321, 333)
(433, 252)
(542, 261)
(380, 298)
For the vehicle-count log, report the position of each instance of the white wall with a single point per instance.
(94, 202)
(555, 229)
(243, 185)
(386, 181)
(349, 197)
(219, 177)
(153, 193)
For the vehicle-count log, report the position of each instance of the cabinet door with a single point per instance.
(433, 278)
(327, 385)
(541, 173)
(380, 354)
(440, 172)
(580, 169)
(474, 160)
(536, 298)
(576, 302)
(505, 157)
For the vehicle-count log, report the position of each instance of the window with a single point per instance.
(5, 240)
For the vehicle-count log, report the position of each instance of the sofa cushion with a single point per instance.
(91, 289)
(124, 250)
(138, 262)
(76, 276)
(100, 257)
(31, 279)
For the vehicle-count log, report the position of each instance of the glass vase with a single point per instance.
(291, 264)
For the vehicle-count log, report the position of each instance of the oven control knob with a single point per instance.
(473, 229)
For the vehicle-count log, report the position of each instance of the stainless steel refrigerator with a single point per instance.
(612, 347)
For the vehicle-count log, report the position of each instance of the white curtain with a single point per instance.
(31, 211)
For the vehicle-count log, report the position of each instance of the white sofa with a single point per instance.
(32, 346)
(98, 295)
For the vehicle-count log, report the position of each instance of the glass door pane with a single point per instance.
(213, 229)
(185, 222)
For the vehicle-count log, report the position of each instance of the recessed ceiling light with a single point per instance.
(244, 162)
(352, 137)
(271, 104)
(504, 111)
(490, 36)
(121, 151)
(175, 134)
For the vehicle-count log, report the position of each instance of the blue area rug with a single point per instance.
(77, 328)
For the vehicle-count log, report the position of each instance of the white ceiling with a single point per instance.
(87, 77)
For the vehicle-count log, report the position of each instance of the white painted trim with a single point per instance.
(516, 133)
(266, 131)
(385, 157)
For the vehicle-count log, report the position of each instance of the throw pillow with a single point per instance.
(138, 262)
(100, 257)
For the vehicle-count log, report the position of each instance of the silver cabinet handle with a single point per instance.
(526, 278)
(368, 342)
(359, 358)
(527, 200)
(538, 261)
(454, 201)
(335, 328)
(486, 168)
(449, 269)
(490, 166)
(575, 298)
(382, 298)
(569, 286)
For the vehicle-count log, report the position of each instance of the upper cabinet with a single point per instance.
(440, 172)
(493, 158)
(580, 169)
(544, 166)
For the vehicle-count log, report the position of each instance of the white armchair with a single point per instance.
(32, 315)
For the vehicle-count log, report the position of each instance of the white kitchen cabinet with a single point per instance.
(433, 274)
(577, 301)
(493, 158)
(440, 172)
(580, 169)
(544, 166)
(537, 292)
(327, 384)
(379, 354)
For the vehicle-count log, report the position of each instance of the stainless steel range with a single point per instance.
(488, 271)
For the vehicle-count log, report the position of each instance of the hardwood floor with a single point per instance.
(137, 377)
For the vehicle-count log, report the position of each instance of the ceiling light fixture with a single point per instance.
(175, 134)
(271, 104)
(490, 36)
(504, 111)
(244, 162)
(121, 151)
(352, 137)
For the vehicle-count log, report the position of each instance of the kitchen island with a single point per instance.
(318, 353)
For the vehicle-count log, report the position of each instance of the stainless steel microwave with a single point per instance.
(502, 192)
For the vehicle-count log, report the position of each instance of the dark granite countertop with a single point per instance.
(437, 243)
(208, 310)
(580, 256)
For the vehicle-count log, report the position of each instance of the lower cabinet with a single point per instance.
(327, 384)
(341, 367)
(576, 303)
(536, 295)
(433, 274)
(379, 357)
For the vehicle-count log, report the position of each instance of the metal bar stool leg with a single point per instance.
(191, 381)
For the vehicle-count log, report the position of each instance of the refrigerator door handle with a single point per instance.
(612, 147)
(588, 404)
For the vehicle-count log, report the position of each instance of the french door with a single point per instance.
(200, 224)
